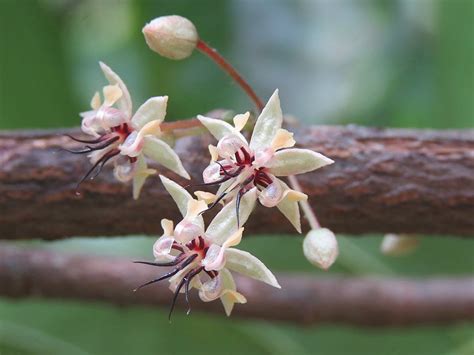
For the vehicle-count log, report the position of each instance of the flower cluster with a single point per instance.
(244, 171)
(126, 139)
(202, 257)
(239, 166)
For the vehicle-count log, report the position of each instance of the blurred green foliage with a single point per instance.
(48, 71)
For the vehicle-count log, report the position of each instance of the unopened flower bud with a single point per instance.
(173, 37)
(320, 248)
(398, 244)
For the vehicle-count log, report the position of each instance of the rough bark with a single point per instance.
(384, 180)
(302, 299)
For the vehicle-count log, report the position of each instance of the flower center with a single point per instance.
(198, 246)
(190, 254)
(123, 131)
(108, 143)
(244, 159)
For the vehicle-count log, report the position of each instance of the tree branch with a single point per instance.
(302, 299)
(384, 180)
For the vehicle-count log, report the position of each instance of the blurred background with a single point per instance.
(404, 63)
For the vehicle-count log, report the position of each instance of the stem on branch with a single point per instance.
(229, 69)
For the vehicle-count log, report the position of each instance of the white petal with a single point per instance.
(124, 171)
(90, 124)
(134, 142)
(180, 196)
(133, 145)
(167, 226)
(95, 102)
(224, 223)
(112, 93)
(162, 249)
(212, 173)
(154, 109)
(272, 194)
(229, 296)
(297, 161)
(125, 102)
(229, 145)
(263, 157)
(283, 139)
(268, 123)
(289, 205)
(234, 239)
(215, 256)
(162, 153)
(241, 120)
(211, 289)
(111, 117)
(195, 208)
(213, 152)
(222, 286)
(219, 128)
(214, 259)
(248, 265)
(141, 174)
(291, 211)
(187, 230)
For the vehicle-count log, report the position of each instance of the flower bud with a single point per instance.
(398, 244)
(173, 37)
(320, 248)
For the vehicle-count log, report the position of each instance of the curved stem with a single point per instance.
(229, 69)
(305, 206)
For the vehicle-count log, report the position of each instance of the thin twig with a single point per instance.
(302, 299)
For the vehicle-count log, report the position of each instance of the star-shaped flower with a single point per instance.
(203, 258)
(244, 166)
(126, 139)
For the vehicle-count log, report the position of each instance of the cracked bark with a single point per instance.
(384, 180)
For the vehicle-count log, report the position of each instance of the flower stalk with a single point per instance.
(170, 127)
(305, 206)
(213, 54)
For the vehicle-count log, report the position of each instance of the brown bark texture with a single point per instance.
(301, 300)
(383, 180)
